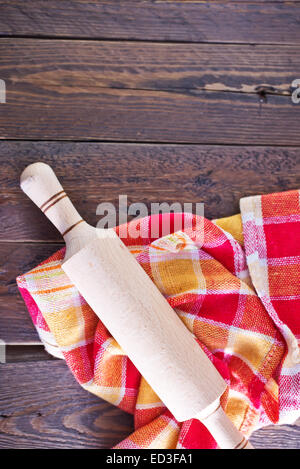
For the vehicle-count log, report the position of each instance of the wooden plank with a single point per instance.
(93, 173)
(26, 353)
(256, 22)
(48, 97)
(148, 116)
(48, 409)
(75, 90)
(61, 65)
(52, 97)
(277, 437)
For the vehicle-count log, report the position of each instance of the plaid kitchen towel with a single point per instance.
(237, 292)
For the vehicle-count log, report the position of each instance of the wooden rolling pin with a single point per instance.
(135, 312)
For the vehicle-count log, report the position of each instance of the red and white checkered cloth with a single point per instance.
(271, 226)
(251, 335)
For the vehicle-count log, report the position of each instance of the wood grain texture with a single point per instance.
(42, 406)
(82, 90)
(277, 437)
(26, 353)
(148, 116)
(248, 22)
(50, 66)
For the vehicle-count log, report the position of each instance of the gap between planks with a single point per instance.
(141, 41)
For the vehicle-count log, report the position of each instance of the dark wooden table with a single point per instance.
(162, 101)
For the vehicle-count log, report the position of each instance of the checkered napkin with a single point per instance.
(242, 304)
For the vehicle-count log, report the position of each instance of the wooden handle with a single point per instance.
(223, 430)
(41, 185)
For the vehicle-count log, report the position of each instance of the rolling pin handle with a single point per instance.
(40, 183)
(224, 431)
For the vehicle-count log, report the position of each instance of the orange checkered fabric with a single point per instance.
(240, 301)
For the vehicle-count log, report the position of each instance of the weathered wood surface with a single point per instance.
(187, 75)
(277, 437)
(59, 66)
(265, 22)
(93, 173)
(183, 116)
(41, 406)
(18, 353)
(89, 90)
